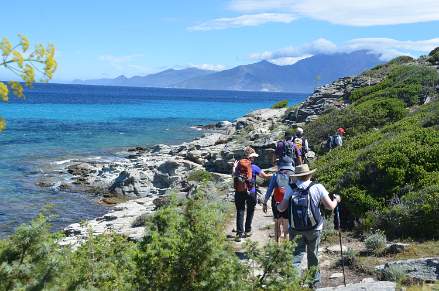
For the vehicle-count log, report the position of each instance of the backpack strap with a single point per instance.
(309, 212)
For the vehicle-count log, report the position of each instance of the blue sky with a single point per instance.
(96, 39)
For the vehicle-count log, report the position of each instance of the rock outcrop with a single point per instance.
(330, 96)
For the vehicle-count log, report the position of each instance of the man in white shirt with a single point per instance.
(305, 219)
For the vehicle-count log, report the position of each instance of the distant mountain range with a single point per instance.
(302, 76)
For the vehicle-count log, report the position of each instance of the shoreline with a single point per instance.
(134, 184)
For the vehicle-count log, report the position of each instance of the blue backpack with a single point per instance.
(302, 213)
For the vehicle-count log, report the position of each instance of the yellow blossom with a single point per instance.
(4, 91)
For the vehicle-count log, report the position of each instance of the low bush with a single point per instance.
(200, 176)
(280, 104)
(433, 56)
(349, 257)
(395, 273)
(376, 243)
(185, 249)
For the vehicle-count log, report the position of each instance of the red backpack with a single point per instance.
(242, 175)
(282, 181)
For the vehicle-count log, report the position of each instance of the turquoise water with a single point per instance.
(58, 122)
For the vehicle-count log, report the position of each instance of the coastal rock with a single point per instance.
(424, 269)
(120, 220)
(329, 97)
(364, 286)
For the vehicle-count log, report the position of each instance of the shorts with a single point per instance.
(276, 213)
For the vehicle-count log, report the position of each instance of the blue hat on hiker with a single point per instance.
(285, 163)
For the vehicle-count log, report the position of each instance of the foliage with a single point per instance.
(349, 257)
(30, 257)
(433, 56)
(277, 271)
(376, 243)
(356, 119)
(410, 83)
(280, 104)
(200, 176)
(395, 273)
(24, 63)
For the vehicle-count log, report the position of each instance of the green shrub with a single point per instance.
(433, 56)
(349, 257)
(200, 176)
(376, 243)
(395, 273)
(280, 104)
(409, 83)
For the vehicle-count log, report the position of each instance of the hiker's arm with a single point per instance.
(328, 203)
(269, 190)
(263, 175)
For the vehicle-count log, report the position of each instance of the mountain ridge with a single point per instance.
(302, 76)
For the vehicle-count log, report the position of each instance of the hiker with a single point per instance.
(277, 188)
(298, 159)
(335, 140)
(245, 173)
(304, 217)
(305, 146)
(287, 147)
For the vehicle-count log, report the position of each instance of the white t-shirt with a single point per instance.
(317, 192)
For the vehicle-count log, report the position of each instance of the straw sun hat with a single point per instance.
(302, 170)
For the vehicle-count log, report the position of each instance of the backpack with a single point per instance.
(302, 213)
(242, 175)
(282, 182)
(330, 142)
(287, 149)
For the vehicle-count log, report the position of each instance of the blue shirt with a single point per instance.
(256, 171)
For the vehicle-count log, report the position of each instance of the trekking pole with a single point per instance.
(337, 213)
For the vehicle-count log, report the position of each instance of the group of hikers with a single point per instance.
(295, 198)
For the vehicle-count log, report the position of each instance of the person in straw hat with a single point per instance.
(304, 217)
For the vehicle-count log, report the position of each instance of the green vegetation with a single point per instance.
(387, 170)
(433, 56)
(24, 63)
(376, 243)
(184, 249)
(280, 104)
(394, 273)
(200, 176)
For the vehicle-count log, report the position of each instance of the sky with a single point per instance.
(104, 39)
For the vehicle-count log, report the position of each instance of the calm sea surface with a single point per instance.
(58, 122)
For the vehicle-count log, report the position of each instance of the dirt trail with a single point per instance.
(263, 231)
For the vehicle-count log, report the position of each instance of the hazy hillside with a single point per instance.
(302, 76)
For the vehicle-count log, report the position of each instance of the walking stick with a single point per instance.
(337, 213)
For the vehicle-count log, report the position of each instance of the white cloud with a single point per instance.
(387, 48)
(318, 46)
(288, 60)
(127, 64)
(242, 21)
(259, 5)
(348, 12)
(211, 67)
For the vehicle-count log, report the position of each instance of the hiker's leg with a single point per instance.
(299, 250)
(240, 210)
(276, 229)
(284, 226)
(313, 242)
(251, 204)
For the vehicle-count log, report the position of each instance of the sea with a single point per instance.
(58, 122)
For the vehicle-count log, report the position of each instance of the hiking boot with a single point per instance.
(238, 237)
(248, 234)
